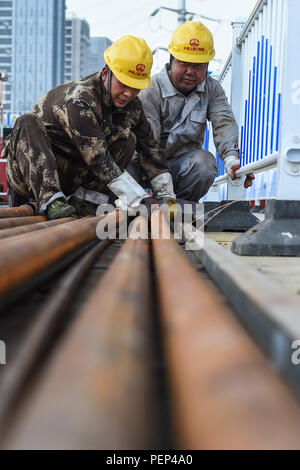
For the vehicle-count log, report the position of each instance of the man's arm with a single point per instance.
(150, 98)
(151, 158)
(225, 130)
(152, 161)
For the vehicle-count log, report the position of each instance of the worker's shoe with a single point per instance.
(59, 209)
(83, 208)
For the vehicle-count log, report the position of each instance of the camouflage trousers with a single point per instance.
(36, 170)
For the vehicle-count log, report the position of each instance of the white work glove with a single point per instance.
(162, 186)
(129, 192)
(163, 190)
(232, 164)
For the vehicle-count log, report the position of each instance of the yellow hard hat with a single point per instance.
(192, 42)
(130, 59)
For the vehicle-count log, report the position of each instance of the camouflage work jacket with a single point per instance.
(82, 125)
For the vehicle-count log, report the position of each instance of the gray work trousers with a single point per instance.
(193, 173)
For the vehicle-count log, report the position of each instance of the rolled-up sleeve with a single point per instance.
(225, 130)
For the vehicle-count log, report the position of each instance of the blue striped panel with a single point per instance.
(245, 132)
(260, 96)
(261, 119)
(241, 146)
(256, 98)
(220, 165)
(248, 120)
(264, 101)
(268, 106)
(206, 139)
(273, 109)
(252, 110)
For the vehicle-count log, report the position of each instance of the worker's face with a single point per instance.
(121, 94)
(185, 76)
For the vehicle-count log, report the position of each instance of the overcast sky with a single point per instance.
(113, 18)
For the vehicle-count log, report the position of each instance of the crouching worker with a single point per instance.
(70, 152)
(178, 103)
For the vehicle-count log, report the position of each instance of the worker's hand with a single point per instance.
(130, 194)
(249, 179)
(232, 164)
(122, 205)
(162, 186)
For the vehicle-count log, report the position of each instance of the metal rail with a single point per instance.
(25, 258)
(98, 390)
(21, 211)
(12, 232)
(19, 221)
(43, 333)
(223, 393)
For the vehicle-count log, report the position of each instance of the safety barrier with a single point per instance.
(261, 79)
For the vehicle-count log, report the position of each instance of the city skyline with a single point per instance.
(85, 53)
(31, 50)
(42, 45)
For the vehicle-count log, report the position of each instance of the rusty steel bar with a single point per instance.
(24, 257)
(49, 320)
(97, 392)
(224, 394)
(21, 211)
(12, 232)
(18, 221)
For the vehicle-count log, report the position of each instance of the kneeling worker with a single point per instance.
(72, 149)
(178, 103)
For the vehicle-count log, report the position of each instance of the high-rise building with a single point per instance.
(97, 48)
(6, 49)
(77, 48)
(38, 33)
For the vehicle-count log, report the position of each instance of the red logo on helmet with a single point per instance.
(140, 67)
(194, 42)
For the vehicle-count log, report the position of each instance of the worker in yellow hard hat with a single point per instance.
(178, 103)
(70, 152)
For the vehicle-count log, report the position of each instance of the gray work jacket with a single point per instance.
(179, 121)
